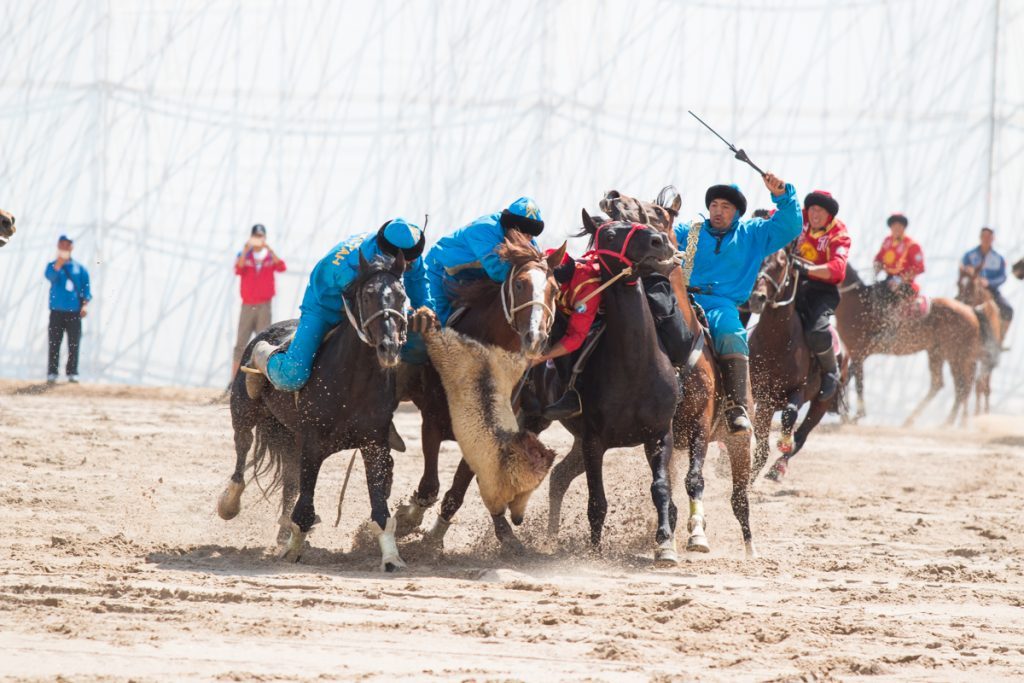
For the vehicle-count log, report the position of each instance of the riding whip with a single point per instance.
(740, 154)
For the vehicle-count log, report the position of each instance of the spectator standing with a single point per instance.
(69, 300)
(256, 265)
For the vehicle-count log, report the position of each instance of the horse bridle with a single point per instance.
(620, 255)
(361, 324)
(508, 302)
(779, 286)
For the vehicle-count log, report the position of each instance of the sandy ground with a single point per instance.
(886, 554)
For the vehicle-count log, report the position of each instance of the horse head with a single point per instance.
(1018, 269)
(7, 228)
(772, 280)
(969, 288)
(659, 214)
(529, 291)
(619, 244)
(375, 304)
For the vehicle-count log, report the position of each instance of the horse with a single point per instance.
(972, 292)
(949, 332)
(1018, 269)
(7, 228)
(348, 402)
(699, 416)
(783, 372)
(515, 315)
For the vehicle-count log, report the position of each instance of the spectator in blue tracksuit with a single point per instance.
(322, 307)
(728, 259)
(991, 266)
(470, 253)
(69, 300)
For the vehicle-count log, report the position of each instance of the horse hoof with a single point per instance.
(513, 546)
(751, 551)
(296, 545)
(283, 534)
(409, 517)
(665, 554)
(778, 471)
(785, 445)
(393, 566)
(230, 502)
(698, 543)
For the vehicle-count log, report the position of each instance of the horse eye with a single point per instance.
(519, 286)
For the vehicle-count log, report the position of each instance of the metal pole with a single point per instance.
(992, 114)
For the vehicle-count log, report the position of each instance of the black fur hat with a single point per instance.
(823, 199)
(729, 193)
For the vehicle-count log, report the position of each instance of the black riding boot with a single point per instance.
(568, 406)
(735, 377)
(829, 373)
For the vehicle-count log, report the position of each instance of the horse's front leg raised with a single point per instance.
(230, 502)
(659, 457)
(380, 468)
(312, 456)
(789, 415)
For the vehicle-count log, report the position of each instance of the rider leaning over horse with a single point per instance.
(323, 308)
(902, 260)
(470, 253)
(822, 248)
(987, 263)
(726, 264)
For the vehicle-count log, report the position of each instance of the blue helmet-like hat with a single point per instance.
(523, 214)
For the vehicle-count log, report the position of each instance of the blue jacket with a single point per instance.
(993, 265)
(69, 286)
(335, 271)
(732, 271)
(472, 250)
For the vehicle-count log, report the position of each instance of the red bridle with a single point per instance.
(621, 254)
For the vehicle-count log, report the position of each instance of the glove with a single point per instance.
(800, 266)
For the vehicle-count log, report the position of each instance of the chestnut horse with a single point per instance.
(783, 372)
(698, 418)
(515, 315)
(972, 292)
(949, 332)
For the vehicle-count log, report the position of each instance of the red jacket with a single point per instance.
(829, 247)
(585, 279)
(903, 258)
(258, 278)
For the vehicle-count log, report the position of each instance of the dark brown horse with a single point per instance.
(1018, 269)
(971, 291)
(698, 418)
(949, 333)
(515, 315)
(7, 228)
(348, 402)
(783, 373)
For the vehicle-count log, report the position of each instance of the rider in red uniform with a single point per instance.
(823, 247)
(577, 280)
(901, 258)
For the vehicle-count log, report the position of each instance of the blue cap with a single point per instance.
(523, 214)
(65, 238)
(402, 233)
(525, 207)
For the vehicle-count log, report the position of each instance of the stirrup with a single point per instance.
(559, 411)
(736, 417)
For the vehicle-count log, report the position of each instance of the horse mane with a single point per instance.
(599, 219)
(517, 251)
(379, 263)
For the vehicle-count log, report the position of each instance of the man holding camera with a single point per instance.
(69, 300)
(256, 265)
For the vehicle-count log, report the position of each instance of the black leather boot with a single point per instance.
(735, 377)
(829, 374)
(568, 406)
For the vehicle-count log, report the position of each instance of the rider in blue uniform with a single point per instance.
(470, 253)
(728, 259)
(991, 266)
(322, 306)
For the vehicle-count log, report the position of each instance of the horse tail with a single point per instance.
(989, 341)
(269, 449)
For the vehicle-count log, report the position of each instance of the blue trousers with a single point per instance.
(727, 332)
(289, 370)
(439, 285)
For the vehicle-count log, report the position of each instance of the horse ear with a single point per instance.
(588, 223)
(669, 199)
(364, 265)
(555, 258)
(398, 265)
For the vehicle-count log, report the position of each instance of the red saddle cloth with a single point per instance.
(916, 308)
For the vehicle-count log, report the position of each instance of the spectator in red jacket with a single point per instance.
(256, 265)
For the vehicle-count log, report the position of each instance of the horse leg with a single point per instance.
(738, 446)
(814, 415)
(230, 502)
(659, 458)
(763, 413)
(789, 415)
(597, 504)
(304, 514)
(291, 466)
(409, 516)
(696, 523)
(963, 378)
(935, 368)
(380, 468)
(453, 499)
(562, 475)
(857, 370)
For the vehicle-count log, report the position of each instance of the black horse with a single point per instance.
(348, 402)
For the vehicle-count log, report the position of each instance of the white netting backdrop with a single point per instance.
(157, 132)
